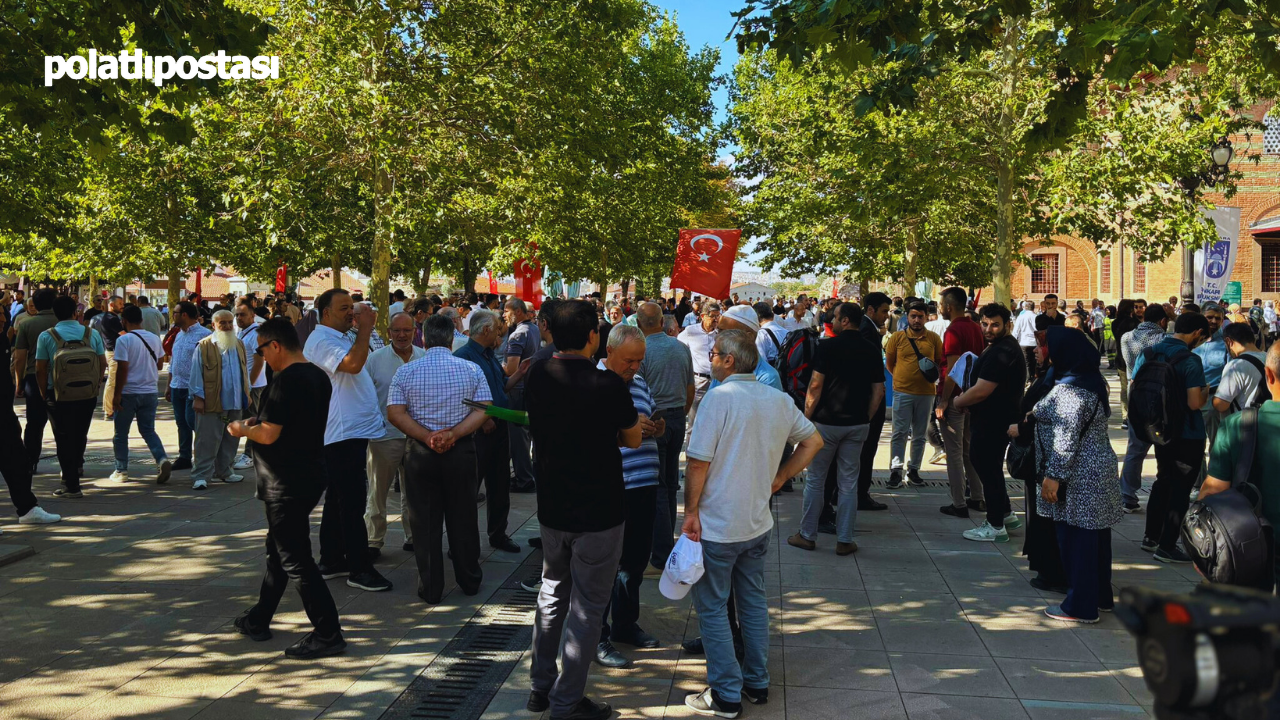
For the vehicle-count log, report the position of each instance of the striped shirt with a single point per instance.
(184, 348)
(432, 389)
(640, 465)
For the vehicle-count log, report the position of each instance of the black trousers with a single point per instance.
(665, 526)
(637, 541)
(495, 470)
(37, 418)
(1029, 354)
(1040, 544)
(1177, 465)
(289, 558)
(868, 457)
(13, 461)
(441, 491)
(343, 536)
(987, 452)
(71, 421)
(1086, 558)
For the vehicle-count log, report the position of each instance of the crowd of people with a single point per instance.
(590, 405)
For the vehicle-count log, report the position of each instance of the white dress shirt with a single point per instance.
(353, 407)
(700, 345)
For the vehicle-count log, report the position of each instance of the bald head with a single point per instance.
(649, 318)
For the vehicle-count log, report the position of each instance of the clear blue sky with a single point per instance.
(707, 22)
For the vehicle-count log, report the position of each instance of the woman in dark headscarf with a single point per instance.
(1081, 488)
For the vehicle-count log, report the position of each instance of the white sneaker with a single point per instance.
(39, 516)
(244, 462)
(986, 533)
(200, 485)
(119, 476)
(1012, 521)
(233, 478)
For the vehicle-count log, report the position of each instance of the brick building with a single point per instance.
(1073, 270)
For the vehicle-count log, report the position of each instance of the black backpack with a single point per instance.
(1158, 399)
(795, 363)
(1226, 535)
(1263, 393)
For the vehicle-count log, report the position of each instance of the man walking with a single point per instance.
(24, 362)
(137, 357)
(289, 436)
(69, 394)
(112, 327)
(668, 370)
(247, 331)
(846, 388)
(1136, 341)
(994, 403)
(190, 333)
(581, 506)
(426, 402)
(962, 336)
(913, 356)
(354, 419)
(387, 453)
(523, 342)
(735, 466)
(219, 385)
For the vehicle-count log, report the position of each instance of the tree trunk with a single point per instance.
(422, 281)
(626, 286)
(383, 236)
(336, 268)
(1006, 227)
(467, 281)
(174, 295)
(909, 267)
(93, 289)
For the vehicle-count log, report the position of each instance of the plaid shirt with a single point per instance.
(184, 348)
(376, 342)
(433, 388)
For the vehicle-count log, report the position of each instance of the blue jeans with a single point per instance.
(740, 565)
(184, 414)
(1131, 473)
(143, 407)
(841, 444)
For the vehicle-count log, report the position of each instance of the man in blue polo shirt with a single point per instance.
(1178, 462)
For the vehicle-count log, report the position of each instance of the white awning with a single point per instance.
(1266, 225)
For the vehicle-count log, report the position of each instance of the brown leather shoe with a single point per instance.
(848, 548)
(799, 541)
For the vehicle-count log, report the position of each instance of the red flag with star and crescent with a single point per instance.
(528, 272)
(704, 261)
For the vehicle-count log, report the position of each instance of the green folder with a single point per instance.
(519, 417)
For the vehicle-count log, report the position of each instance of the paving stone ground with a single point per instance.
(125, 611)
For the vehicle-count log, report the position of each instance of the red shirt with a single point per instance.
(963, 335)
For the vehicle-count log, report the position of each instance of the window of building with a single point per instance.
(1270, 266)
(1139, 276)
(1044, 279)
(1271, 135)
(1104, 275)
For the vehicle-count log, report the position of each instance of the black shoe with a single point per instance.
(407, 547)
(954, 511)
(373, 553)
(182, 464)
(538, 702)
(586, 709)
(524, 488)
(244, 628)
(828, 527)
(313, 646)
(789, 485)
(1040, 583)
(535, 542)
(914, 479)
(895, 480)
(756, 696)
(1131, 507)
(370, 580)
(608, 656)
(504, 543)
(1171, 555)
(635, 638)
(870, 503)
(329, 572)
(533, 583)
(694, 646)
(428, 600)
(1148, 545)
(979, 505)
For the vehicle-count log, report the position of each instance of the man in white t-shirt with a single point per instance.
(735, 465)
(247, 330)
(138, 356)
(354, 420)
(1243, 375)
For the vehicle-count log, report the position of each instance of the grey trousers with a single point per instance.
(578, 570)
(842, 445)
(386, 459)
(910, 416)
(215, 448)
(955, 441)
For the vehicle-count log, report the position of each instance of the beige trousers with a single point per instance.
(386, 459)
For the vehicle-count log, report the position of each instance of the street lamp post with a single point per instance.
(1219, 161)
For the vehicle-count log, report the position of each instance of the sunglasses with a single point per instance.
(260, 348)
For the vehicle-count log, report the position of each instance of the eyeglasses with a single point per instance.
(258, 351)
(711, 356)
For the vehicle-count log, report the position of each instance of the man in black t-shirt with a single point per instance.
(288, 437)
(578, 417)
(994, 402)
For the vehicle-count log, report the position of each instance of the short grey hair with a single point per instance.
(623, 334)
(482, 320)
(741, 345)
(516, 304)
(708, 306)
(449, 312)
(669, 323)
(437, 331)
(223, 314)
(649, 316)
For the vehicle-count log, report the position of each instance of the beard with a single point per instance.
(225, 339)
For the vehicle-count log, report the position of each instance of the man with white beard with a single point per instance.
(219, 385)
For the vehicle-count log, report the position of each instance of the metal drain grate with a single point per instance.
(467, 673)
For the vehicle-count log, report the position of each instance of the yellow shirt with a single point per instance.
(899, 355)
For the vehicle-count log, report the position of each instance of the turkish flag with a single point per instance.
(704, 261)
(528, 272)
(493, 284)
(835, 287)
(282, 277)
